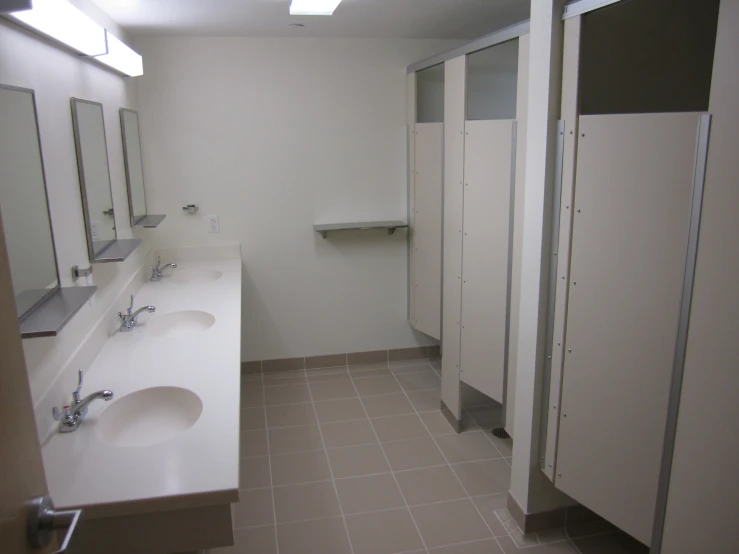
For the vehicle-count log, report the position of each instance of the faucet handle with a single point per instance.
(159, 262)
(60, 413)
(130, 308)
(76, 393)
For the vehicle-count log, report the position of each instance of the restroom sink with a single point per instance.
(149, 416)
(180, 324)
(196, 276)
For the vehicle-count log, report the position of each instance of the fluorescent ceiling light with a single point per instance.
(61, 21)
(313, 7)
(122, 58)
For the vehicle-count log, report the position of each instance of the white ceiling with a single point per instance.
(442, 19)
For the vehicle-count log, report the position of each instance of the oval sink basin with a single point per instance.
(149, 416)
(196, 276)
(180, 324)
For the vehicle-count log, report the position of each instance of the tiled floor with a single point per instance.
(359, 460)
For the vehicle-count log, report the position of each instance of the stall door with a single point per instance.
(489, 165)
(427, 229)
(633, 198)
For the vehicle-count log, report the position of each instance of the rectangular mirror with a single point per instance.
(97, 196)
(135, 171)
(23, 202)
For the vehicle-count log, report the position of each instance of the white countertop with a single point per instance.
(200, 466)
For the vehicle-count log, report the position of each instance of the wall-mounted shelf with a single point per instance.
(118, 251)
(391, 226)
(150, 221)
(51, 316)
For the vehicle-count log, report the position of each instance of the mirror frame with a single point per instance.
(134, 221)
(58, 286)
(83, 184)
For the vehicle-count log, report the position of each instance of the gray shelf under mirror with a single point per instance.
(50, 317)
(117, 251)
(150, 221)
(391, 226)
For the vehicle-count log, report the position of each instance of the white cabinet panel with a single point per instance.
(634, 184)
(427, 230)
(488, 175)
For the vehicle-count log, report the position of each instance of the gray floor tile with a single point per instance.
(253, 443)
(286, 378)
(487, 505)
(325, 375)
(324, 536)
(385, 532)
(437, 423)
(340, 410)
(402, 427)
(433, 484)
(254, 540)
(372, 386)
(294, 439)
(504, 446)
(387, 405)
(333, 390)
(419, 380)
(449, 523)
(306, 501)
(484, 477)
(254, 508)
(251, 394)
(425, 401)
(611, 543)
(413, 454)
(290, 415)
(348, 433)
(369, 494)
(300, 467)
(355, 461)
(467, 447)
(287, 394)
(489, 546)
(251, 419)
(359, 372)
(254, 473)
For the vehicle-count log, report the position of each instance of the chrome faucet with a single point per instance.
(71, 417)
(156, 271)
(129, 319)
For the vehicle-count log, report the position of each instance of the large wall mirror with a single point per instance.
(135, 171)
(97, 196)
(43, 306)
(25, 209)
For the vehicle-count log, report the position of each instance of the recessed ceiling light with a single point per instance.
(297, 25)
(313, 7)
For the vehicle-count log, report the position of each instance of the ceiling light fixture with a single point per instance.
(313, 7)
(63, 22)
(121, 58)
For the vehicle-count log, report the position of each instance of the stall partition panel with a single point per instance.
(633, 197)
(427, 232)
(489, 177)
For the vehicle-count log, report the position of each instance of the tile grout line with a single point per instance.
(469, 498)
(331, 472)
(387, 460)
(269, 464)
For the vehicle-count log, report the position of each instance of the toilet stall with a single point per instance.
(631, 159)
(466, 123)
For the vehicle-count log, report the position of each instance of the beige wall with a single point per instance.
(274, 135)
(703, 500)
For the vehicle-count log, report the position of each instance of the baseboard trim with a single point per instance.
(341, 360)
(453, 421)
(538, 521)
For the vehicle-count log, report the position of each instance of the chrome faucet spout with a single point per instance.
(71, 417)
(130, 318)
(156, 271)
